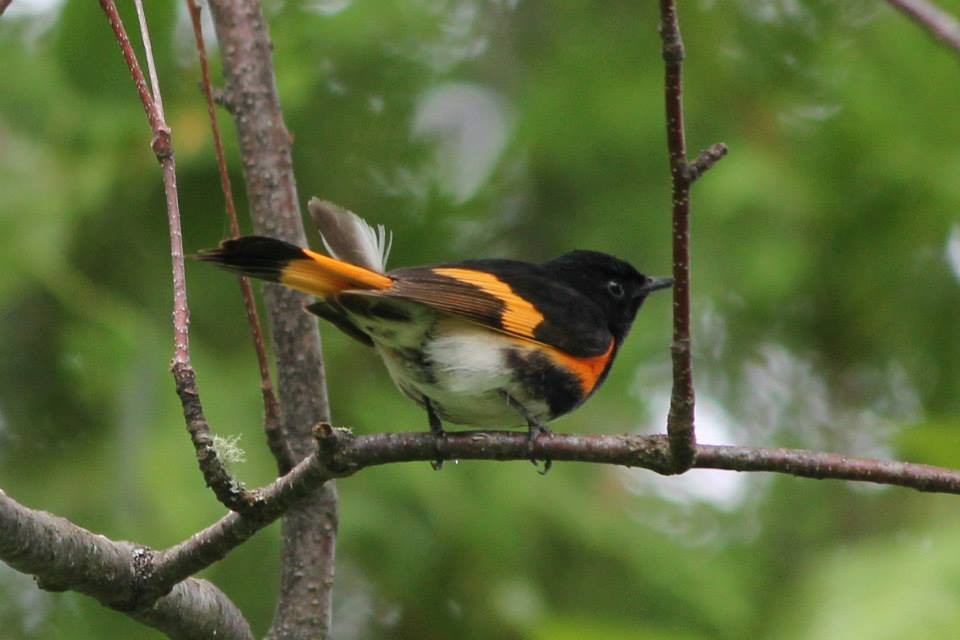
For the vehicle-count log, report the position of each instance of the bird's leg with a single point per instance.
(535, 428)
(436, 428)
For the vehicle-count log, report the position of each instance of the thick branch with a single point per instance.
(309, 530)
(937, 22)
(195, 610)
(64, 556)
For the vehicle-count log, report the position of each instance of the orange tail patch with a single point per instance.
(323, 276)
(301, 269)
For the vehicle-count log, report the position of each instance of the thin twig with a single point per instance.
(271, 408)
(163, 148)
(161, 133)
(215, 474)
(937, 22)
(214, 542)
(680, 420)
(148, 53)
(229, 492)
(825, 465)
(225, 184)
(704, 160)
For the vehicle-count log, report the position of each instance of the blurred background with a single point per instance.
(826, 270)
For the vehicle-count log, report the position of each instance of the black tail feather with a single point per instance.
(254, 256)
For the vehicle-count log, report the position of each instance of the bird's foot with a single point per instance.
(440, 436)
(535, 429)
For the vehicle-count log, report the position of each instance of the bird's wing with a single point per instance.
(512, 297)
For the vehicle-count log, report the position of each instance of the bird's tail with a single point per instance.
(298, 268)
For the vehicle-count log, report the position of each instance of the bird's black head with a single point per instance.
(614, 285)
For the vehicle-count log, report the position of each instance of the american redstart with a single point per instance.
(487, 343)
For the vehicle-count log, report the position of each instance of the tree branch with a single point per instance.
(680, 420)
(117, 574)
(195, 610)
(228, 491)
(341, 454)
(156, 96)
(3, 5)
(129, 578)
(937, 22)
(821, 465)
(213, 543)
(309, 529)
(349, 454)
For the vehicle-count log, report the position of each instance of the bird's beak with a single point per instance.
(653, 284)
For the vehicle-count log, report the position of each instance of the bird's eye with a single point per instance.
(615, 289)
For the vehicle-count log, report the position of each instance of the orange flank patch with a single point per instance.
(588, 370)
(323, 276)
(518, 317)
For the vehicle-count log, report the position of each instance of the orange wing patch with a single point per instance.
(519, 317)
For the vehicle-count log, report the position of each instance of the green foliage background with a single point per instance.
(826, 257)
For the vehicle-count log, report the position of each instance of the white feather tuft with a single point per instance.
(349, 237)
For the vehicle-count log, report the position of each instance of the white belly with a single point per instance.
(464, 374)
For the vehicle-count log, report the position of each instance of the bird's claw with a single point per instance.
(440, 442)
(533, 434)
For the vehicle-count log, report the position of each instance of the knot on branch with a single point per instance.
(683, 446)
(673, 51)
(162, 143)
(185, 379)
(143, 591)
(680, 346)
(651, 452)
(330, 443)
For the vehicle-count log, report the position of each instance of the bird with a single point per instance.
(487, 343)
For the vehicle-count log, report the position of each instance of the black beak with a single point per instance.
(653, 284)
